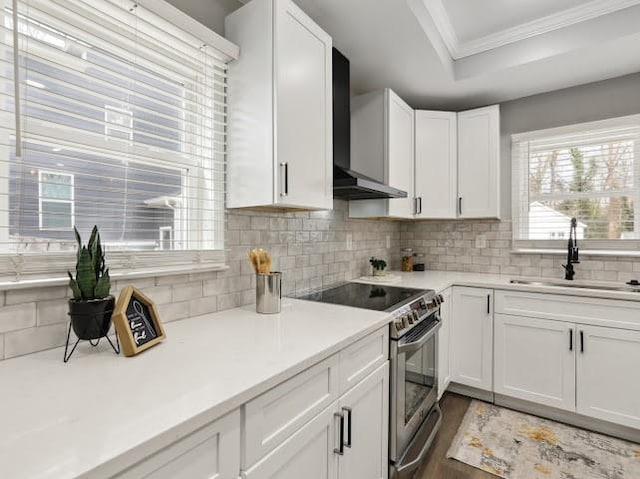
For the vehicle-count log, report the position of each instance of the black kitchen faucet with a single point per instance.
(573, 255)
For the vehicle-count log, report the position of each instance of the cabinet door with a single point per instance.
(400, 154)
(308, 453)
(212, 452)
(607, 367)
(304, 169)
(436, 158)
(479, 163)
(535, 360)
(472, 337)
(444, 339)
(366, 410)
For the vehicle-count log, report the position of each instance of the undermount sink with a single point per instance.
(581, 285)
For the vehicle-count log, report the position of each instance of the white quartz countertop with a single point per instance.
(100, 413)
(441, 280)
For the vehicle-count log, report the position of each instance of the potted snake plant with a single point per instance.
(91, 306)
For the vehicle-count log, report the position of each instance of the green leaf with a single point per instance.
(85, 274)
(103, 286)
(79, 241)
(77, 295)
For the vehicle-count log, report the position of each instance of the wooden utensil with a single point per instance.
(260, 260)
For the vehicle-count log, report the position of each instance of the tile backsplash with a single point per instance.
(484, 246)
(310, 248)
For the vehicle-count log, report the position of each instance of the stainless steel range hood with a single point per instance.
(349, 184)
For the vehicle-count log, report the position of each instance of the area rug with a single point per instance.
(514, 445)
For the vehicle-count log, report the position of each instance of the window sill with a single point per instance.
(585, 252)
(6, 285)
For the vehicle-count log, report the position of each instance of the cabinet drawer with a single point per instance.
(277, 414)
(574, 309)
(362, 358)
(212, 452)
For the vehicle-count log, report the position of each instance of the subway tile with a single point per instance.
(25, 341)
(186, 291)
(52, 312)
(19, 316)
(205, 305)
(27, 295)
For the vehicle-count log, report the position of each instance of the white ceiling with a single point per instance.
(473, 19)
(399, 44)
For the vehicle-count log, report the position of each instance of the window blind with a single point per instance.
(118, 119)
(590, 172)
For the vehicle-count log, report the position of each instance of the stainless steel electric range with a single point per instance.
(415, 415)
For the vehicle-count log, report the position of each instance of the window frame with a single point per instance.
(42, 199)
(520, 198)
(47, 263)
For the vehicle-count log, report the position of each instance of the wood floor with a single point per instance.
(436, 465)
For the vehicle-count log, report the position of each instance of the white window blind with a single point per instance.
(118, 119)
(590, 172)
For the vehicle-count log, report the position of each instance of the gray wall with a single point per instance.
(594, 101)
(208, 12)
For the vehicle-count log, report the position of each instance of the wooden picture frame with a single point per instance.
(137, 321)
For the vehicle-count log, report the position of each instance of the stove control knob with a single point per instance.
(416, 316)
(408, 319)
(441, 298)
(399, 324)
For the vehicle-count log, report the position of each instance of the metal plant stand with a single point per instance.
(115, 347)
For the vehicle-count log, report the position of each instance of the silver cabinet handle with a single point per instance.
(285, 178)
(420, 203)
(340, 450)
(459, 205)
(349, 413)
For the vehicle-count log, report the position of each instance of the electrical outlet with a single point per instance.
(481, 241)
(349, 241)
(388, 241)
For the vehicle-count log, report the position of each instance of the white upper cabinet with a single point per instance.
(436, 158)
(280, 109)
(382, 148)
(479, 163)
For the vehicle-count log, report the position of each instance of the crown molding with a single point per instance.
(540, 26)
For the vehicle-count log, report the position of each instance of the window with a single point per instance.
(590, 172)
(119, 121)
(55, 205)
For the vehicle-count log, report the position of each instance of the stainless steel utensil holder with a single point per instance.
(268, 292)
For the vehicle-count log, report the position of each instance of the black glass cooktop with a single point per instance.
(365, 296)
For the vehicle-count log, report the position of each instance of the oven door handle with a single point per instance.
(421, 341)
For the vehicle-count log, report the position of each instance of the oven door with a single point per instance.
(414, 383)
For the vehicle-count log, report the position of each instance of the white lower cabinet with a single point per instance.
(366, 411)
(561, 363)
(607, 367)
(472, 337)
(444, 339)
(309, 453)
(360, 418)
(211, 452)
(535, 360)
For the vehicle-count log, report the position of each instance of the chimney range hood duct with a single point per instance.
(348, 184)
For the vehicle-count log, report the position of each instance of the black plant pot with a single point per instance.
(91, 319)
